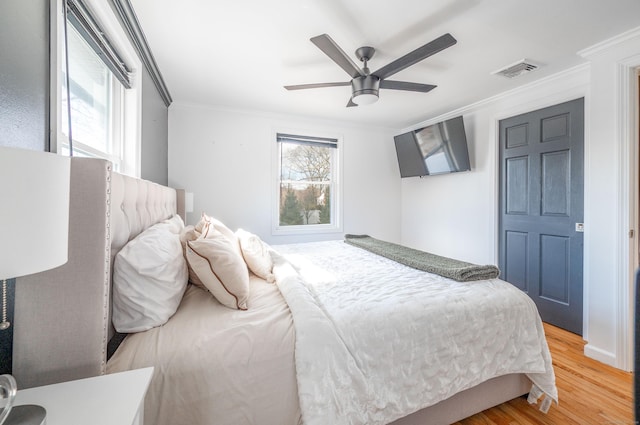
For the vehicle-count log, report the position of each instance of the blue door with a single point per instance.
(541, 209)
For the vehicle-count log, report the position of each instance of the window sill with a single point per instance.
(306, 230)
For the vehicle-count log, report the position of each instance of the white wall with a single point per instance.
(456, 215)
(224, 157)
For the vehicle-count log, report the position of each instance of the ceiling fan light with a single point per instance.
(365, 89)
(365, 98)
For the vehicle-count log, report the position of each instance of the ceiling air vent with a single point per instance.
(521, 67)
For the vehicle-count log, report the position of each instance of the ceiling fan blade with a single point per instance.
(416, 56)
(350, 104)
(403, 85)
(316, 85)
(331, 49)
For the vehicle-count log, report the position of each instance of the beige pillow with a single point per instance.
(219, 267)
(188, 234)
(256, 255)
(207, 222)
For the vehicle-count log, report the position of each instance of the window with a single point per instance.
(96, 104)
(104, 101)
(307, 189)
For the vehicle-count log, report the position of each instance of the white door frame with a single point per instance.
(627, 133)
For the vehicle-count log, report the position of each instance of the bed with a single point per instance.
(278, 362)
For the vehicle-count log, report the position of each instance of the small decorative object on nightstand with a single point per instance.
(34, 197)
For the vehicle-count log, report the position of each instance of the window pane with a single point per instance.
(306, 184)
(91, 100)
(304, 204)
(305, 163)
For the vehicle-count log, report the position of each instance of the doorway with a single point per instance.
(540, 244)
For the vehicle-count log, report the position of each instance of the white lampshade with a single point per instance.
(34, 211)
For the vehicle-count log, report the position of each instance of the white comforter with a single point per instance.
(376, 340)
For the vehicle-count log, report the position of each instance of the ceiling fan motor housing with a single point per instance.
(368, 84)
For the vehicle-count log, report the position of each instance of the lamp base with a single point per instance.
(27, 414)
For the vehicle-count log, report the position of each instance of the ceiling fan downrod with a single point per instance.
(365, 54)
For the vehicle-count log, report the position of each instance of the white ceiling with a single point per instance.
(239, 54)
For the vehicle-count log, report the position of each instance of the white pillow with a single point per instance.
(220, 268)
(256, 255)
(176, 224)
(149, 279)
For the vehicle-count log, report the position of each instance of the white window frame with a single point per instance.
(129, 142)
(336, 187)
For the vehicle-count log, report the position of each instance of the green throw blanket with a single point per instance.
(443, 266)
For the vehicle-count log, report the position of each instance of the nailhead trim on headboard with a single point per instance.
(107, 273)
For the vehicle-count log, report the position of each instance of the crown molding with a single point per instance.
(609, 43)
(576, 70)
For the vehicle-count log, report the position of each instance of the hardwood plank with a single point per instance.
(590, 392)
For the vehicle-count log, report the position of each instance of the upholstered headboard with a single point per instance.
(62, 318)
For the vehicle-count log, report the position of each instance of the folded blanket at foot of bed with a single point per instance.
(425, 261)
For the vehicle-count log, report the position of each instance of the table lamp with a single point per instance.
(34, 224)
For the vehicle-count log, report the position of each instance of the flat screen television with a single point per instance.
(436, 149)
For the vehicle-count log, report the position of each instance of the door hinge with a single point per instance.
(631, 234)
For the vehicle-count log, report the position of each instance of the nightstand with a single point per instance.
(114, 399)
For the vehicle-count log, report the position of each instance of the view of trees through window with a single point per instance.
(305, 183)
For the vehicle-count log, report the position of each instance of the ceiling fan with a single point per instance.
(365, 84)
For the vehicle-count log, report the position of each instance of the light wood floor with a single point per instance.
(589, 392)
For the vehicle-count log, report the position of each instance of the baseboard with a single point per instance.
(601, 355)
